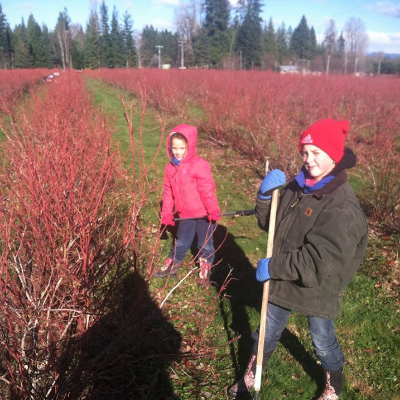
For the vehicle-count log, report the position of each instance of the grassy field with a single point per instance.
(216, 330)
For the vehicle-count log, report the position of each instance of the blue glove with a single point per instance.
(262, 272)
(275, 179)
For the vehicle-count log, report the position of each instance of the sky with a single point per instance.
(381, 18)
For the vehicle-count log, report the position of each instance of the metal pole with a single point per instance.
(181, 43)
(159, 56)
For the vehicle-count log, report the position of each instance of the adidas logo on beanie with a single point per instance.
(328, 135)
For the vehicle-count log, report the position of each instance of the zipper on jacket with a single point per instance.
(295, 203)
(299, 196)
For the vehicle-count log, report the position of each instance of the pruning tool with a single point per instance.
(238, 213)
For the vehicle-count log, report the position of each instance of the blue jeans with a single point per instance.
(326, 346)
(184, 239)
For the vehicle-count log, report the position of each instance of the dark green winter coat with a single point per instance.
(320, 241)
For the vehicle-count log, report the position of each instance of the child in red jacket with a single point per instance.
(189, 191)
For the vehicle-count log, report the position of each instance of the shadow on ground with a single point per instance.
(125, 355)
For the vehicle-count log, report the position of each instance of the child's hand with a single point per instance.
(214, 216)
(168, 220)
(272, 181)
(262, 272)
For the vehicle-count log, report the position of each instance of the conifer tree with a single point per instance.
(300, 42)
(106, 56)
(45, 55)
(270, 43)
(33, 34)
(169, 41)
(200, 48)
(217, 13)
(77, 46)
(282, 43)
(313, 43)
(5, 41)
(22, 55)
(116, 42)
(39, 44)
(340, 45)
(92, 42)
(249, 35)
(148, 46)
(128, 42)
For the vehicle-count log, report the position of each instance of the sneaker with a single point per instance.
(204, 273)
(167, 269)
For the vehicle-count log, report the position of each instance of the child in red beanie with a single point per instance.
(320, 241)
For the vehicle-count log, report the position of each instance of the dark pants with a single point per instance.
(326, 346)
(187, 229)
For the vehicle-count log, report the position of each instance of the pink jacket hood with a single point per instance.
(189, 188)
(190, 133)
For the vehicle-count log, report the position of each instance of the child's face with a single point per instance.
(316, 162)
(178, 148)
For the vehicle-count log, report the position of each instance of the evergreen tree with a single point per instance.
(270, 42)
(22, 55)
(250, 34)
(77, 46)
(300, 42)
(313, 43)
(282, 43)
(33, 34)
(169, 41)
(92, 42)
(200, 48)
(5, 42)
(340, 46)
(117, 42)
(216, 23)
(45, 55)
(148, 45)
(39, 44)
(106, 55)
(129, 44)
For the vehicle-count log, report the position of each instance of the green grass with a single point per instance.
(368, 326)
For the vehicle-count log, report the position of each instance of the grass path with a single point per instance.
(367, 327)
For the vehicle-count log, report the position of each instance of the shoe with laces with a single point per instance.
(204, 273)
(168, 269)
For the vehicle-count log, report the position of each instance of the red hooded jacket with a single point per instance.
(189, 188)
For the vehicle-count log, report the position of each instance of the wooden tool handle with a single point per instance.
(264, 304)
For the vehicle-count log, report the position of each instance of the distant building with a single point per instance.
(289, 69)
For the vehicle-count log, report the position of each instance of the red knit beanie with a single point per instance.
(327, 134)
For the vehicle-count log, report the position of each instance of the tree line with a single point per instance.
(209, 34)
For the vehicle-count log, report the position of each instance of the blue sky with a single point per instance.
(381, 18)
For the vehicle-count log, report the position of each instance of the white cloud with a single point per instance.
(27, 6)
(128, 4)
(162, 24)
(388, 8)
(168, 2)
(382, 41)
